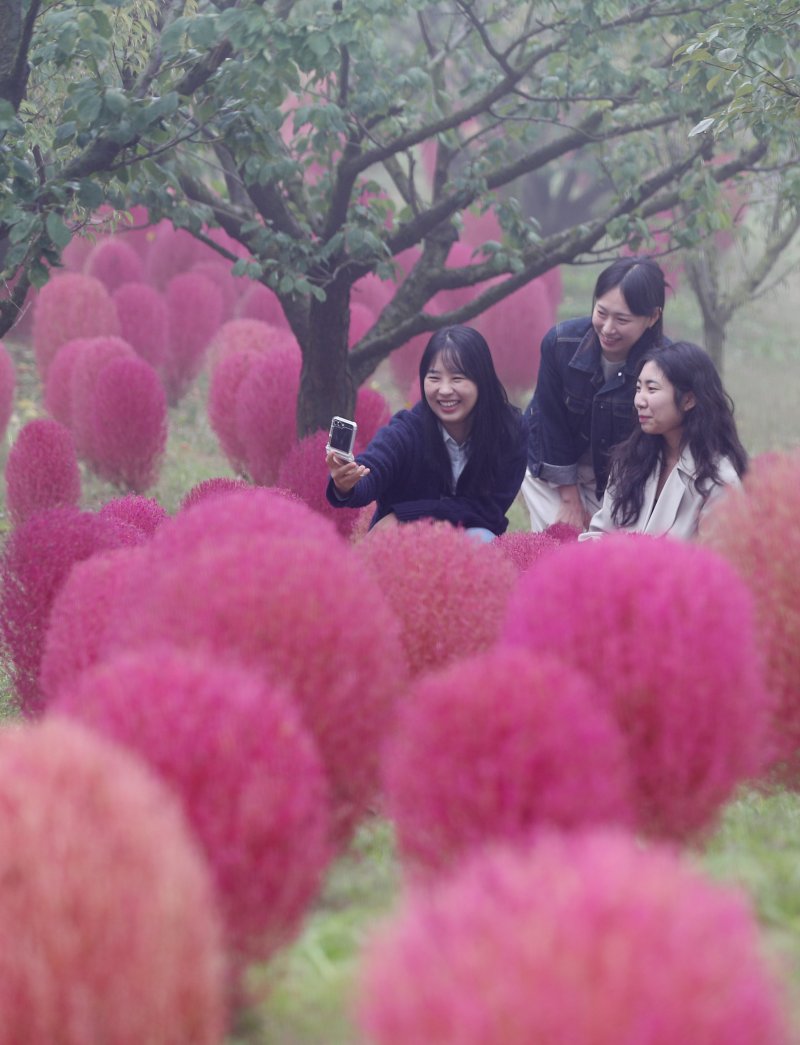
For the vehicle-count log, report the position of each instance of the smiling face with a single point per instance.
(617, 328)
(452, 396)
(657, 407)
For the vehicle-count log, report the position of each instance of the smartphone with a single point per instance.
(342, 437)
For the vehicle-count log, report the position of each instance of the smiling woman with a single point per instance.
(458, 455)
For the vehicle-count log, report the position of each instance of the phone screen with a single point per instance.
(341, 436)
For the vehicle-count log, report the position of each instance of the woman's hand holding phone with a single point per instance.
(345, 474)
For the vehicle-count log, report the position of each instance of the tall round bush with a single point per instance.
(41, 470)
(68, 306)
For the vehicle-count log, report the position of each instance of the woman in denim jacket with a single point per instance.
(583, 403)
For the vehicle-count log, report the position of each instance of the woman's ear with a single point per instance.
(655, 315)
(688, 401)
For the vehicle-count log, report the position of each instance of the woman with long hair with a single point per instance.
(458, 455)
(584, 390)
(683, 454)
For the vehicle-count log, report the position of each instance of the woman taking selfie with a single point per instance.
(458, 455)
(584, 391)
(683, 454)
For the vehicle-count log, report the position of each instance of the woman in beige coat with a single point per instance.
(682, 457)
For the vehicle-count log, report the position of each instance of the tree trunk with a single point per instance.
(326, 383)
(714, 338)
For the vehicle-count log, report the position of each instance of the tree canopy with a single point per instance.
(333, 140)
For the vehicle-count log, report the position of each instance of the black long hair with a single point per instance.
(642, 283)
(495, 422)
(709, 430)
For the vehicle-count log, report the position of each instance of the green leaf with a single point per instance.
(702, 126)
(57, 230)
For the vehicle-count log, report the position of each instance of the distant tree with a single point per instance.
(335, 140)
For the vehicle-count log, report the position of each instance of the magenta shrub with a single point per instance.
(265, 412)
(261, 303)
(220, 274)
(36, 560)
(8, 385)
(143, 321)
(240, 335)
(145, 513)
(362, 319)
(68, 306)
(227, 376)
(372, 413)
(84, 366)
(581, 938)
(416, 566)
(171, 252)
(514, 329)
(524, 548)
(303, 472)
(114, 262)
(129, 424)
(294, 608)
(495, 746)
(41, 470)
(756, 531)
(212, 488)
(665, 631)
(247, 772)
(58, 383)
(108, 916)
(194, 314)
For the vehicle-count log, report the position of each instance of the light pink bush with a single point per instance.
(265, 409)
(41, 470)
(145, 513)
(303, 472)
(404, 361)
(239, 335)
(756, 532)
(582, 938)
(114, 262)
(171, 252)
(58, 383)
(227, 376)
(108, 917)
(524, 548)
(68, 306)
(665, 631)
(212, 488)
(514, 328)
(36, 561)
(416, 566)
(259, 302)
(194, 314)
(143, 321)
(220, 274)
(8, 385)
(362, 319)
(84, 365)
(372, 413)
(78, 621)
(496, 746)
(373, 292)
(129, 424)
(294, 608)
(245, 768)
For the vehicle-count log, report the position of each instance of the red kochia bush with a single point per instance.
(143, 321)
(71, 305)
(86, 363)
(372, 413)
(194, 313)
(227, 376)
(108, 917)
(41, 470)
(129, 424)
(583, 938)
(416, 565)
(495, 746)
(295, 608)
(304, 472)
(145, 513)
(8, 384)
(665, 631)
(247, 772)
(114, 262)
(212, 488)
(265, 407)
(756, 531)
(524, 548)
(36, 560)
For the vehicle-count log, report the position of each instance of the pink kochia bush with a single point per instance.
(524, 548)
(586, 939)
(128, 424)
(756, 531)
(249, 777)
(496, 746)
(664, 629)
(41, 470)
(305, 474)
(194, 314)
(36, 561)
(8, 384)
(143, 321)
(107, 913)
(265, 409)
(71, 305)
(212, 488)
(145, 513)
(114, 262)
(448, 590)
(294, 608)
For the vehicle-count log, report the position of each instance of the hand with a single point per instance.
(572, 510)
(345, 474)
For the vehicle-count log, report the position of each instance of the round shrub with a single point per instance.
(583, 938)
(143, 321)
(194, 314)
(415, 565)
(128, 424)
(109, 921)
(114, 262)
(247, 772)
(496, 746)
(85, 366)
(303, 471)
(227, 376)
(265, 408)
(41, 470)
(212, 488)
(665, 631)
(294, 608)
(68, 306)
(58, 383)
(170, 252)
(372, 413)
(524, 548)
(8, 385)
(756, 531)
(145, 513)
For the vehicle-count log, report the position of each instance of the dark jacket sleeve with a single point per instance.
(390, 453)
(557, 447)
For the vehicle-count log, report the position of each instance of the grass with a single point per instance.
(303, 996)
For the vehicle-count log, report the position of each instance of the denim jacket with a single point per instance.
(574, 408)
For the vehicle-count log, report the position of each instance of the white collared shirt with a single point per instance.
(458, 453)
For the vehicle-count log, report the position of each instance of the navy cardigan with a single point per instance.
(402, 481)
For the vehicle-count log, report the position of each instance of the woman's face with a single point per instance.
(451, 396)
(617, 328)
(659, 413)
